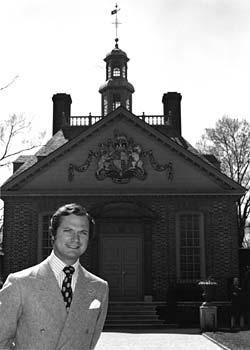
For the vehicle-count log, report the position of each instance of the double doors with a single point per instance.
(121, 260)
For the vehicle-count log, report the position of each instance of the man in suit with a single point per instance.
(56, 304)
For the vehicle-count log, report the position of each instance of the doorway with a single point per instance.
(120, 263)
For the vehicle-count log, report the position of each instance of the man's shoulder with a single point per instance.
(26, 273)
(92, 277)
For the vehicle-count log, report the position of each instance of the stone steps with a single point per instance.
(133, 315)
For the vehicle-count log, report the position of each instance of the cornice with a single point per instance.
(109, 194)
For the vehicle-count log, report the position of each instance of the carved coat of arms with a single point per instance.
(120, 159)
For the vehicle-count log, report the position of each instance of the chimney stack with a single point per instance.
(61, 111)
(172, 109)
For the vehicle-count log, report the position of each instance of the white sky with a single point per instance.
(200, 48)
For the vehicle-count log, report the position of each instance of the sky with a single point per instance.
(199, 48)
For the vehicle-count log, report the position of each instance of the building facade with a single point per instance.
(165, 215)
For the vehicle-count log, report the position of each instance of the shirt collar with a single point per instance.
(58, 265)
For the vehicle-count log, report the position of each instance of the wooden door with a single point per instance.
(121, 266)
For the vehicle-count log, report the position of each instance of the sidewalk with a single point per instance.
(182, 339)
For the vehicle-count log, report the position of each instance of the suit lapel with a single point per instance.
(78, 313)
(50, 291)
(83, 294)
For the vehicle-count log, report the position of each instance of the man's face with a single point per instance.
(71, 239)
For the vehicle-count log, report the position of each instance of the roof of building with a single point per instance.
(64, 136)
(63, 141)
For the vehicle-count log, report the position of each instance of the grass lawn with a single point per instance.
(233, 340)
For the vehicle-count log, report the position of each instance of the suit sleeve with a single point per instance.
(101, 318)
(10, 310)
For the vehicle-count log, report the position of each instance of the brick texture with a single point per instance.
(21, 234)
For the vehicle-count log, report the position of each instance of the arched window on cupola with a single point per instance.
(128, 104)
(116, 72)
(105, 105)
(116, 101)
(109, 72)
(124, 72)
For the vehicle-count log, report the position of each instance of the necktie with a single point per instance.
(66, 286)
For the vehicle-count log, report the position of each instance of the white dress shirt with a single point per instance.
(57, 266)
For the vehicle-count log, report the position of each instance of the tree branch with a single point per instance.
(18, 152)
(10, 83)
(7, 144)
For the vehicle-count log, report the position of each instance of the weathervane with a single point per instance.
(116, 23)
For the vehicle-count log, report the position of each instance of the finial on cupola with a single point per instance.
(116, 23)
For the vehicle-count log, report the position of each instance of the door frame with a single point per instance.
(130, 211)
(140, 290)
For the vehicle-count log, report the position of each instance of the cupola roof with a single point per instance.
(117, 52)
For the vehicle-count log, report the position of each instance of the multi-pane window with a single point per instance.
(190, 247)
(116, 72)
(46, 246)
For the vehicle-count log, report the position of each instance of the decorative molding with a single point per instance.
(80, 168)
(158, 167)
(120, 159)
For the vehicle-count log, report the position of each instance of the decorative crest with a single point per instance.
(120, 159)
(116, 23)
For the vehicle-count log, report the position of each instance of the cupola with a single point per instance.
(116, 91)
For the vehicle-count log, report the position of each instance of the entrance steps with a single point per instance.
(133, 315)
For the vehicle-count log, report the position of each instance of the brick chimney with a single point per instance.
(172, 109)
(61, 111)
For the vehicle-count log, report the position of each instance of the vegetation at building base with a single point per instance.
(232, 340)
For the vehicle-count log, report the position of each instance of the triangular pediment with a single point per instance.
(119, 154)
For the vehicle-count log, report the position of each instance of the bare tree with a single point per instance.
(15, 138)
(229, 142)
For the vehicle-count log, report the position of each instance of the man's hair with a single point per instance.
(68, 209)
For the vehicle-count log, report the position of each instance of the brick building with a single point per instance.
(165, 215)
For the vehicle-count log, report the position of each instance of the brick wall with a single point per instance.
(221, 244)
(22, 221)
(20, 234)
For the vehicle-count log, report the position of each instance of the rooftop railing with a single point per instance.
(91, 120)
(84, 121)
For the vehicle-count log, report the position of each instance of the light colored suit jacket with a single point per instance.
(33, 314)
